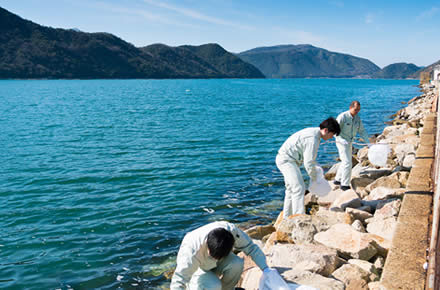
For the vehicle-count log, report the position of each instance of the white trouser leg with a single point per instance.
(295, 189)
(344, 171)
(224, 277)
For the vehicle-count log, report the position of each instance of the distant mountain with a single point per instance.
(208, 60)
(396, 71)
(29, 50)
(427, 69)
(300, 61)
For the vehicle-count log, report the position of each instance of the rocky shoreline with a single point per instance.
(344, 243)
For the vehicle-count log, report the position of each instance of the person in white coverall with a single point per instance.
(301, 147)
(351, 125)
(206, 261)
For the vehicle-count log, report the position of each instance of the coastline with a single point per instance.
(315, 249)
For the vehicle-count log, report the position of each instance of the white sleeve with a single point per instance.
(187, 264)
(244, 243)
(362, 132)
(310, 153)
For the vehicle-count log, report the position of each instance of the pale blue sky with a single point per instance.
(384, 31)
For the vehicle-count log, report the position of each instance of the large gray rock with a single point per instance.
(333, 217)
(313, 258)
(409, 160)
(313, 280)
(359, 214)
(301, 229)
(258, 232)
(382, 227)
(353, 277)
(367, 266)
(388, 208)
(357, 225)
(403, 149)
(251, 279)
(359, 183)
(347, 198)
(329, 198)
(395, 180)
(383, 193)
(369, 172)
(348, 242)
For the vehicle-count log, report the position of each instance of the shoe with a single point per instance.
(336, 182)
(344, 187)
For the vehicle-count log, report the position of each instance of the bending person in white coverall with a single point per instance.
(205, 259)
(351, 125)
(298, 148)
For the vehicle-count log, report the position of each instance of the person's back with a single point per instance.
(204, 257)
(293, 148)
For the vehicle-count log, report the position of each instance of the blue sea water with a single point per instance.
(100, 179)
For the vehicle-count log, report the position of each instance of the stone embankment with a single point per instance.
(373, 236)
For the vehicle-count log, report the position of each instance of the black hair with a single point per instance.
(332, 125)
(354, 103)
(220, 243)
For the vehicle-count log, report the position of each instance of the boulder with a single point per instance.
(250, 278)
(331, 173)
(300, 229)
(367, 266)
(347, 198)
(258, 232)
(359, 214)
(363, 153)
(395, 180)
(353, 277)
(348, 242)
(312, 280)
(403, 149)
(383, 193)
(313, 258)
(409, 160)
(382, 227)
(383, 245)
(357, 225)
(333, 217)
(388, 208)
(329, 198)
(369, 172)
(376, 286)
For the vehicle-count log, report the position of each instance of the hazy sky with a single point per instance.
(383, 31)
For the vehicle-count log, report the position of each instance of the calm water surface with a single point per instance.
(100, 180)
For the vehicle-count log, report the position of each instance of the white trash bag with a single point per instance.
(320, 186)
(378, 154)
(271, 280)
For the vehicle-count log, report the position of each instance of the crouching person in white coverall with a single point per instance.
(206, 261)
(351, 125)
(301, 147)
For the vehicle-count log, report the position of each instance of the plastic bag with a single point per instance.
(320, 186)
(378, 154)
(293, 286)
(271, 280)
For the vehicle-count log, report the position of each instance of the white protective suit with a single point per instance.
(196, 269)
(350, 127)
(298, 148)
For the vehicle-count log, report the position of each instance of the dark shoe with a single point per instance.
(336, 182)
(344, 188)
